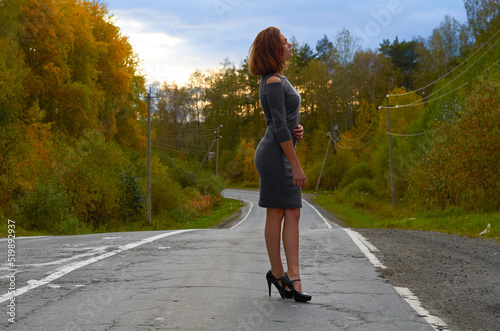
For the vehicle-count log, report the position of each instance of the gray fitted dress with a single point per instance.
(281, 105)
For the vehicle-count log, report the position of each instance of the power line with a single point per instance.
(451, 81)
(410, 135)
(339, 142)
(205, 135)
(191, 130)
(355, 139)
(427, 132)
(465, 61)
(427, 101)
(356, 147)
(420, 102)
(175, 137)
(171, 149)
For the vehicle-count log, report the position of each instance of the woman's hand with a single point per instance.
(298, 132)
(299, 177)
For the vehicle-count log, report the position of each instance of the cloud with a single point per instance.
(156, 47)
(174, 38)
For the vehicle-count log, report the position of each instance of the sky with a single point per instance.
(173, 38)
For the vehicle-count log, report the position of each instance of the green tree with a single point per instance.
(483, 17)
(304, 55)
(404, 56)
(327, 53)
(373, 75)
(224, 104)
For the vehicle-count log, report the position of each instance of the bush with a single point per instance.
(460, 168)
(133, 198)
(335, 168)
(43, 208)
(69, 226)
(94, 179)
(359, 170)
(176, 217)
(479, 201)
(179, 173)
(360, 185)
(166, 194)
(209, 184)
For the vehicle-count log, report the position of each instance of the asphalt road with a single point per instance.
(200, 280)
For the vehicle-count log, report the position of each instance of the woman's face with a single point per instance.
(287, 48)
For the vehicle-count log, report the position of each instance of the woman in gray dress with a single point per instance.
(281, 176)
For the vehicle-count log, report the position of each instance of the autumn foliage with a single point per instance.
(443, 111)
(72, 129)
(461, 166)
(72, 121)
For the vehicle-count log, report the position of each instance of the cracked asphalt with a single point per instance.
(198, 280)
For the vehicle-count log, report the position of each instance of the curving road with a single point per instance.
(201, 280)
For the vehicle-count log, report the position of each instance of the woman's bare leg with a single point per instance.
(272, 233)
(291, 245)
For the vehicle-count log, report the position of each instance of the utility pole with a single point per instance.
(206, 155)
(148, 165)
(329, 134)
(148, 190)
(332, 136)
(217, 159)
(335, 139)
(393, 195)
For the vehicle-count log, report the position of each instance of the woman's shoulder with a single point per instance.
(272, 78)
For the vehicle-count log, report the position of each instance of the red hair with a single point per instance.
(266, 53)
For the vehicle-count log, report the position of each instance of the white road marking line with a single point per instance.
(71, 267)
(321, 216)
(365, 242)
(361, 243)
(364, 245)
(249, 210)
(93, 251)
(412, 300)
(367, 248)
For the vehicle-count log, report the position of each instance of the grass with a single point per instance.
(218, 214)
(227, 208)
(383, 216)
(358, 212)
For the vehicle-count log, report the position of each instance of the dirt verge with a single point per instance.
(456, 278)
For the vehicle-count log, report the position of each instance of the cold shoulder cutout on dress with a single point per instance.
(273, 79)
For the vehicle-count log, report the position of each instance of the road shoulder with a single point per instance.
(456, 278)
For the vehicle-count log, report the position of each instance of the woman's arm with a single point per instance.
(276, 100)
(299, 177)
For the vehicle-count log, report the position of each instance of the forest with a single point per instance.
(73, 121)
(441, 94)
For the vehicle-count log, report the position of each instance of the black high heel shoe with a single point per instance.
(273, 280)
(297, 296)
